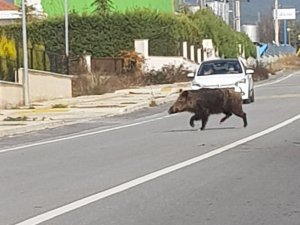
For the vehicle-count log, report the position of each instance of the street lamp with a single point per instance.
(66, 28)
(66, 34)
(276, 23)
(25, 58)
(289, 35)
(237, 15)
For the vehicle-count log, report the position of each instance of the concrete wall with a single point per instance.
(42, 86)
(47, 86)
(158, 62)
(11, 94)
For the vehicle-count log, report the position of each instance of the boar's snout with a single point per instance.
(172, 110)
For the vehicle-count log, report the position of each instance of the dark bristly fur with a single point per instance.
(206, 101)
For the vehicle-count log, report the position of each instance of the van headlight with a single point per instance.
(242, 81)
(238, 89)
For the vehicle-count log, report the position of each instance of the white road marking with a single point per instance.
(82, 135)
(133, 183)
(275, 81)
(279, 96)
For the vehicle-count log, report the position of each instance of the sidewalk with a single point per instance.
(50, 114)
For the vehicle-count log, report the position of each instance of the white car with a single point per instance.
(225, 73)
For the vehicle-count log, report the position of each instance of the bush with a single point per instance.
(224, 37)
(107, 35)
(7, 58)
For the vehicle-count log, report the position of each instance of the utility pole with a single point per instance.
(25, 58)
(223, 11)
(237, 15)
(233, 14)
(201, 4)
(67, 34)
(276, 23)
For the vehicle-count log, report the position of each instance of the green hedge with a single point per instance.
(224, 37)
(109, 34)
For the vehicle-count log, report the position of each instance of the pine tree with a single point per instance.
(102, 6)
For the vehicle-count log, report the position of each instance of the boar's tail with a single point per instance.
(232, 96)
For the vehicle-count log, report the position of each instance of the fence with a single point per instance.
(44, 60)
(100, 65)
(37, 60)
(107, 65)
(56, 63)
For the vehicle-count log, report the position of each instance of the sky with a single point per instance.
(250, 10)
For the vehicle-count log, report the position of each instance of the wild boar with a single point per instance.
(207, 101)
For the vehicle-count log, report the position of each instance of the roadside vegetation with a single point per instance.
(106, 34)
(59, 106)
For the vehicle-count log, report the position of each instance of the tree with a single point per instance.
(102, 6)
(266, 28)
(7, 58)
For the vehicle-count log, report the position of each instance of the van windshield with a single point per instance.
(220, 67)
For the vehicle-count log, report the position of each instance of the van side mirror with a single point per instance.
(249, 71)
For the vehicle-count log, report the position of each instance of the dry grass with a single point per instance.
(59, 106)
(19, 118)
(291, 62)
(260, 73)
(95, 84)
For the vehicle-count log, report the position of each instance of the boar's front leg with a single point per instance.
(204, 121)
(227, 115)
(194, 118)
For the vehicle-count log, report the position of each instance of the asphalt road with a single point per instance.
(153, 169)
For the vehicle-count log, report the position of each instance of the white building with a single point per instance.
(9, 13)
(38, 11)
(219, 7)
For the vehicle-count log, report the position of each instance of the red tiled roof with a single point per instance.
(7, 6)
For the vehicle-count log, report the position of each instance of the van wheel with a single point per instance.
(248, 100)
(252, 96)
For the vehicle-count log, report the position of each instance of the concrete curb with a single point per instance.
(28, 127)
(147, 104)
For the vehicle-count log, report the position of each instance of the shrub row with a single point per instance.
(107, 35)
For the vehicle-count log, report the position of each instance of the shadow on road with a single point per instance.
(206, 129)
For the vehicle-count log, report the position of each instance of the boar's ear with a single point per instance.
(180, 90)
(184, 94)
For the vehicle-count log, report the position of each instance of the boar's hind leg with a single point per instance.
(243, 116)
(227, 115)
(194, 118)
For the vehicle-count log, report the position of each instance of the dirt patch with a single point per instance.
(289, 63)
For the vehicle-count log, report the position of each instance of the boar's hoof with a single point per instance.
(192, 123)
